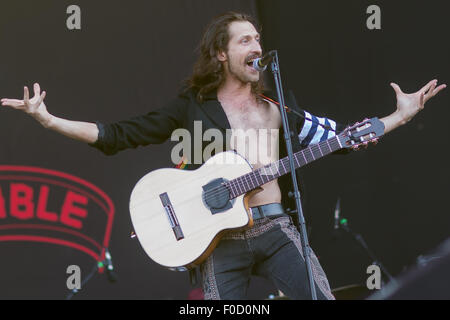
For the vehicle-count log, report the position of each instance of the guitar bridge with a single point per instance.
(170, 212)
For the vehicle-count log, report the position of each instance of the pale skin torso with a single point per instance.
(243, 116)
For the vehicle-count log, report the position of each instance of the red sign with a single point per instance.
(41, 205)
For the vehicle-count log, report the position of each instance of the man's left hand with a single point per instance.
(408, 105)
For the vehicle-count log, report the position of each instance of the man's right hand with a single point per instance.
(35, 106)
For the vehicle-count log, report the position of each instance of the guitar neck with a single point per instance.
(257, 178)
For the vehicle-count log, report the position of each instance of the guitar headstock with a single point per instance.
(362, 133)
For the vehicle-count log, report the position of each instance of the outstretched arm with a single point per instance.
(408, 105)
(35, 107)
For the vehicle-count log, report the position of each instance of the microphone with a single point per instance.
(260, 64)
(112, 277)
(337, 213)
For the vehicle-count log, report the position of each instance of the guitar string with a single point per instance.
(219, 191)
(283, 162)
(248, 178)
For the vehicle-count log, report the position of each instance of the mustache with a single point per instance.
(252, 57)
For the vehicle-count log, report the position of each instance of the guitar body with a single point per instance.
(179, 216)
(200, 228)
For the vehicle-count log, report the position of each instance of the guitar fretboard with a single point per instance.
(253, 180)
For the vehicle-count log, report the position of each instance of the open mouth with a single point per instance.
(249, 63)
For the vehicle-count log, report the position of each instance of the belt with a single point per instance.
(267, 210)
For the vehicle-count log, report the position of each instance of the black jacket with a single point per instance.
(157, 126)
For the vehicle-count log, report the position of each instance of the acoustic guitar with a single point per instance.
(179, 216)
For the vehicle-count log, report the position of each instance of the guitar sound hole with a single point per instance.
(216, 196)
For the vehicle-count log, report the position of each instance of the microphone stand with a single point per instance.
(287, 137)
(98, 267)
(359, 239)
(89, 276)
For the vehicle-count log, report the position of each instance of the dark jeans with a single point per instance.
(271, 249)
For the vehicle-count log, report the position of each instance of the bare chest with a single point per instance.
(245, 116)
(254, 131)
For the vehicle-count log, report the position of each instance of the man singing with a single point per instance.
(226, 92)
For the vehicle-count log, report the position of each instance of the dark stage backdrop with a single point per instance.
(394, 194)
(131, 56)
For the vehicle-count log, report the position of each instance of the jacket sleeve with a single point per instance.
(154, 127)
(312, 129)
(315, 129)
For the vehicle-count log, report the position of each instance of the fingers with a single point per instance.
(396, 88)
(37, 90)
(41, 98)
(422, 102)
(433, 90)
(429, 94)
(441, 87)
(12, 103)
(359, 147)
(26, 95)
(428, 86)
(26, 102)
(429, 90)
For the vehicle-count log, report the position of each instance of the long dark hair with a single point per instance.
(209, 74)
